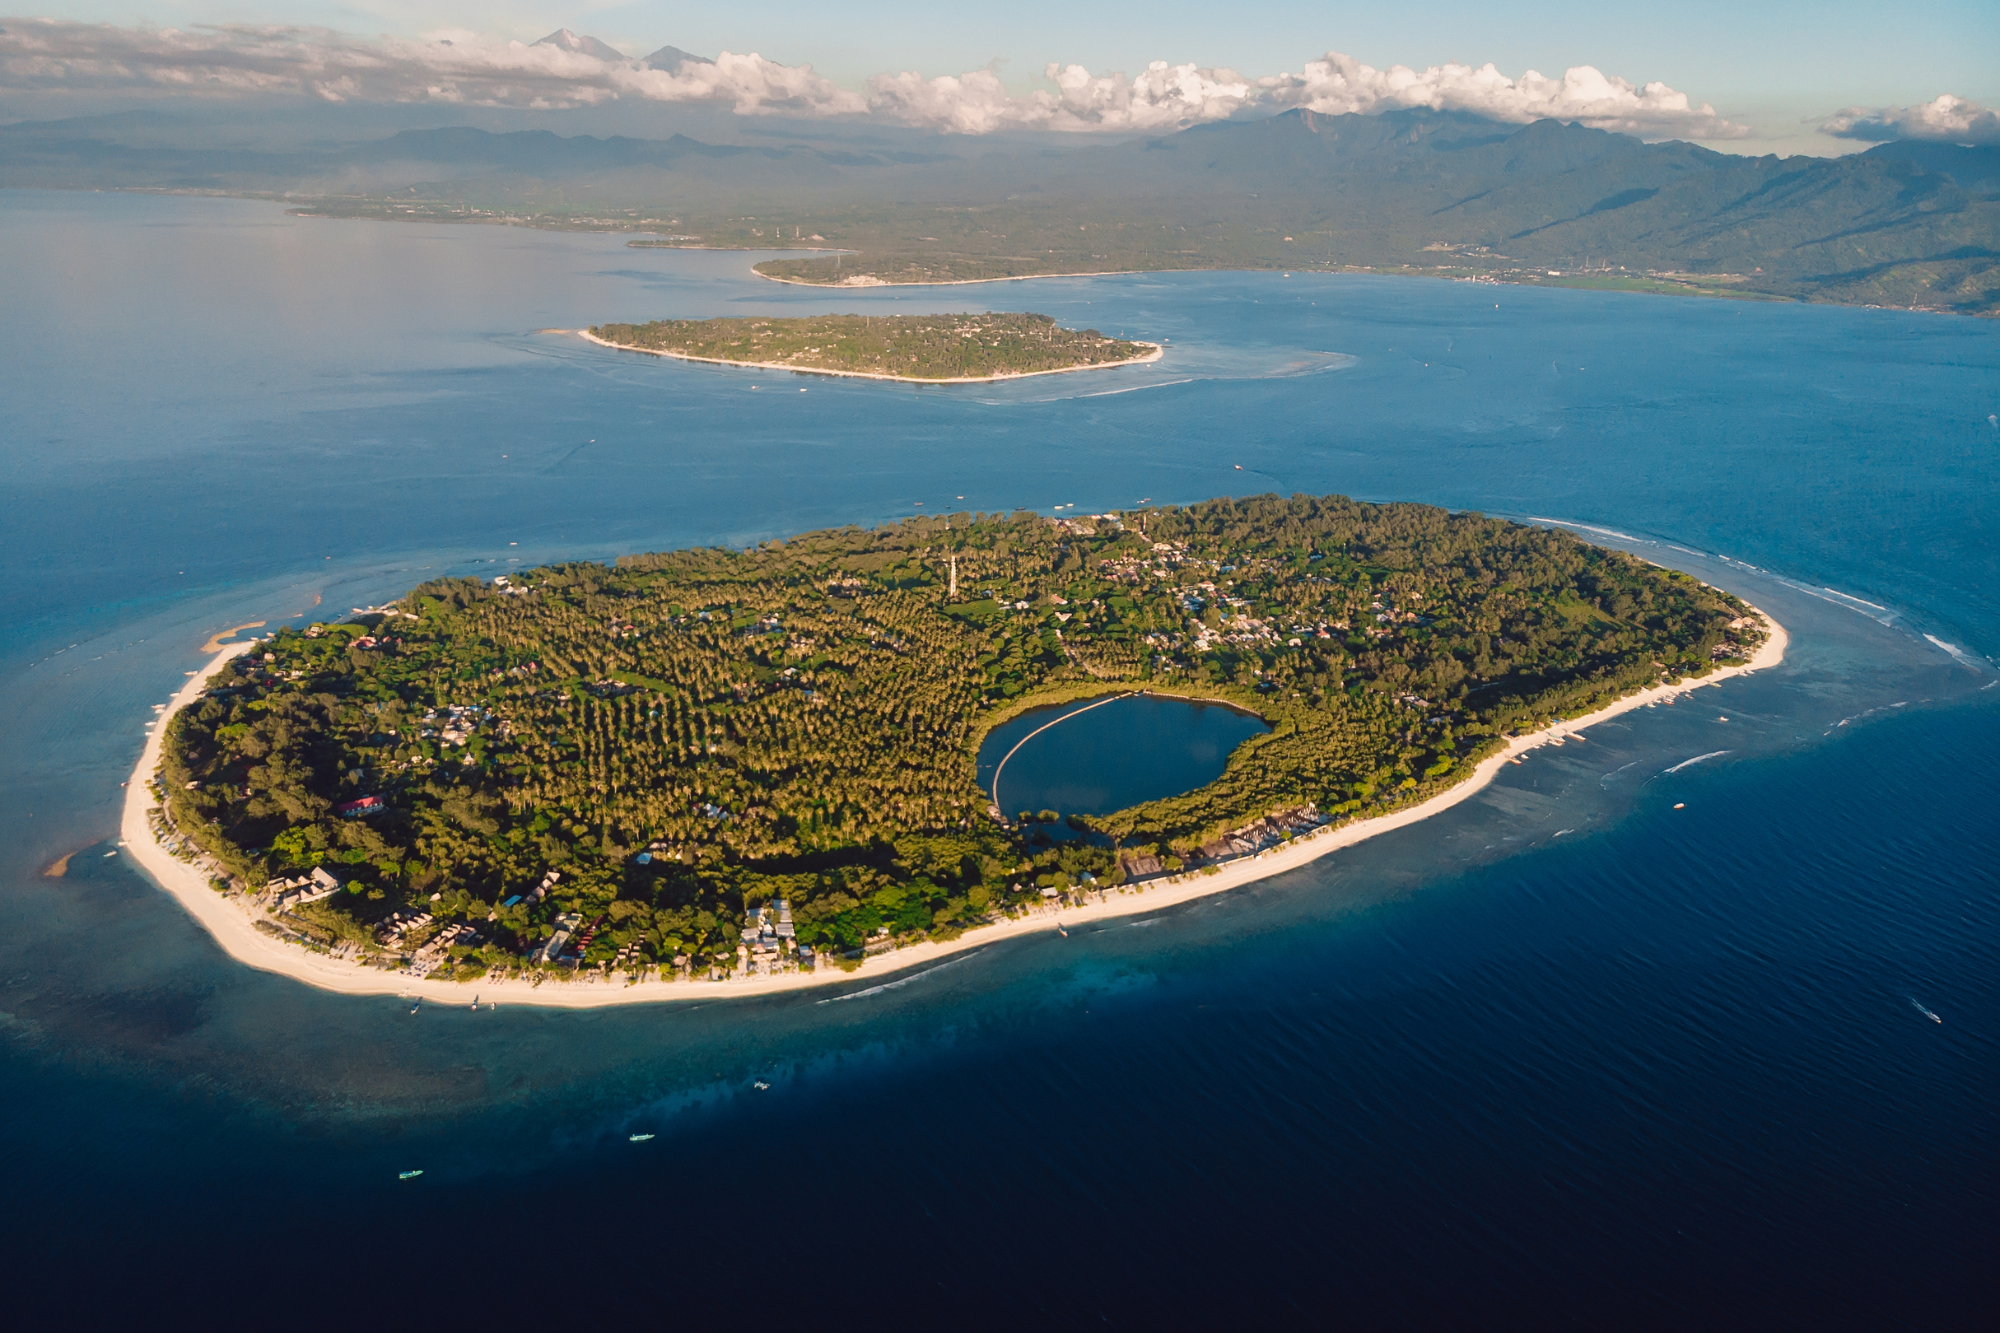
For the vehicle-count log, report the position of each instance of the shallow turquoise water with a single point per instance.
(1563, 1053)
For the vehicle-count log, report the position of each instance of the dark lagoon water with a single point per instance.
(1096, 756)
(1564, 1056)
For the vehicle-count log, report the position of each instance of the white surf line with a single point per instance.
(1848, 601)
(899, 983)
(1740, 564)
(1959, 655)
(1585, 527)
(994, 789)
(1687, 763)
(1848, 596)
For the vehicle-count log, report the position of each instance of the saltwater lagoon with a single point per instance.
(1109, 753)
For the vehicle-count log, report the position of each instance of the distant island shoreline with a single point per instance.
(1723, 286)
(851, 284)
(233, 921)
(1156, 352)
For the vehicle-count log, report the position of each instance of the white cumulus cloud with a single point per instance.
(1337, 83)
(1948, 118)
(46, 55)
(40, 55)
(1161, 97)
(1164, 96)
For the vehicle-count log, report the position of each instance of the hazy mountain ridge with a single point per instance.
(1905, 223)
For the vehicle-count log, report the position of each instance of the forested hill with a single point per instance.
(691, 734)
(1449, 193)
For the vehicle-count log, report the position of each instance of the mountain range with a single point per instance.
(1906, 223)
(668, 58)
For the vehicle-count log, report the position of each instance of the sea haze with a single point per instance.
(1625, 1041)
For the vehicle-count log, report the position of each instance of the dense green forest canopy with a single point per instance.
(925, 347)
(694, 733)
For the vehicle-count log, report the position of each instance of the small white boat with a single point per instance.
(1925, 1012)
(638, 1138)
(408, 1175)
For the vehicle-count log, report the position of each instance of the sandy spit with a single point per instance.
(230, 920)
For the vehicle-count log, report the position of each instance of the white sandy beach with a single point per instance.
(231, 920)
(1154, 355)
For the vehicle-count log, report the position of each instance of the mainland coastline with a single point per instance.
(233, 920)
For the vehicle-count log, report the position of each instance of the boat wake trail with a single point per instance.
(1136, 388)
(1856, 717)
(1925, 1012)
(1689, 763)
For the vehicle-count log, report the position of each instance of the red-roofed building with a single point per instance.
(367, 805)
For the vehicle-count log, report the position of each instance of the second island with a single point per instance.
(926, 349)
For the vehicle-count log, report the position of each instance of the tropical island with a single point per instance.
(935, 349)
(721, 764)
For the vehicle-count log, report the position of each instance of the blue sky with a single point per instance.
(1773, 68)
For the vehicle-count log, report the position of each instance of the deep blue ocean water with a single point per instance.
(1564, 1055)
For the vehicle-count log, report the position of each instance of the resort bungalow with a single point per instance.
(289, 893)
(541, 890)
(552, 951)
(361, 809)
